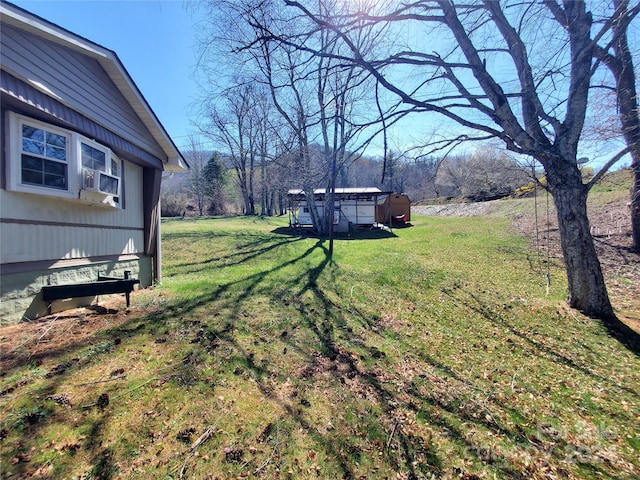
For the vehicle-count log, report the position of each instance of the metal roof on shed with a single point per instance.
(349, 190)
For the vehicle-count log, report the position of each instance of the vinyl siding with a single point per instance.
(36, 227)
(71, 242)
(75, 80)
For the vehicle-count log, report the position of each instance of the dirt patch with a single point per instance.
(32, 341)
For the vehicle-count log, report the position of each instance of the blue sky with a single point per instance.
(155, 41)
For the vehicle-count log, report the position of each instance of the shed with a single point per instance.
(82, 161)
(392, 206)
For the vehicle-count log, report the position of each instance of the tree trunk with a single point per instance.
(252, 202)
(249, 208)
(318, 224)
(264, 191)
(627, 98)
(635, 205)
(200, 202)
(587, 289)
(621, 65)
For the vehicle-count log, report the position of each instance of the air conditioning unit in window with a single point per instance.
(99, 181)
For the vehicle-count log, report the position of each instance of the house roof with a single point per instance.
(108, 59)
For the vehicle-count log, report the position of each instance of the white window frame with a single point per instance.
(14, 158)
(109, 160)
(74, 143)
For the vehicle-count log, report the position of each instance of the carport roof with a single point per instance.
(344, 191)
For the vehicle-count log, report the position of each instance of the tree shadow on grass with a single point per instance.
(324, 322)
(623, 334)
(246, 253)
(46, 405)
(368, 233)
(404, 450)
(485, 308)
(328, 323)
(352, 363)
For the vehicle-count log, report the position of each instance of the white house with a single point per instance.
(81, 164)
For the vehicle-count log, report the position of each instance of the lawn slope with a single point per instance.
(435, 351)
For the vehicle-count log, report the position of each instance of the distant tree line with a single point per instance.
(219, 185)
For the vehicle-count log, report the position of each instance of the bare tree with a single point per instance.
(236, 126)
(454, 173)
(616, 55)
(319, 99)
(266, 141)
(197, 183)
(492, 174)
(278, 171)
(517, 72)
(392, 179)
(173, 203)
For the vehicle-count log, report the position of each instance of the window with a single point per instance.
(52, 161)
(100, 170)
(43, 158)
(93, 158)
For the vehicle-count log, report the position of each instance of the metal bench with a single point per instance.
(104, 286)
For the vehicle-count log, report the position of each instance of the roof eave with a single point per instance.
(177, 165)
(111, 64)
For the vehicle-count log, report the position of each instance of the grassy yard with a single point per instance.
(428, 352)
